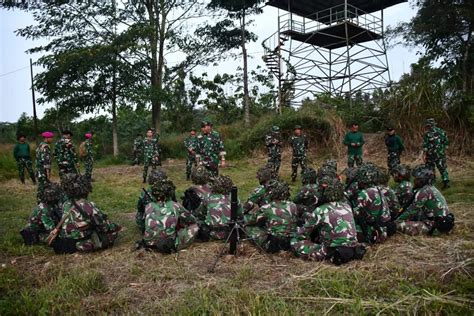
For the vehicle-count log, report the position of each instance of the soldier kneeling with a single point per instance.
(329, 232)
(200, 190)
(169, 227)
(83, 227)
(429, 212)
(45, 216)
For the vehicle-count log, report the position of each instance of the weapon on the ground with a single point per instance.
(234, 206)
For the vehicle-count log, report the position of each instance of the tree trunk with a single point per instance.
(114, 112)
(246, 83)
(161, 63)
(465, 64)
(153, 38)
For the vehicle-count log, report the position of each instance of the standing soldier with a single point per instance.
(88, 156)
(209, 148)
(137, 149)
(150, 149)
(273, 143)
(354, 140)
(394, 148)
(66, 155)
(435, 143)
(190, 143)
(299, 143)
(21, 152)
(43, 162)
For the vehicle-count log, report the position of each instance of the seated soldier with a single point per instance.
(271, 225)
(390, 196)
(329, 232)
(328, 168)
(404, 188)
(429, 212)
(259, 196)
(83, 226)
(193, 196)
(157, 175)
(307, 197)
(352, 187)
(214, 211)
(371, 211)
(45, 216)
(169, 227)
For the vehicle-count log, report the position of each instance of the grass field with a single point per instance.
(407, 275)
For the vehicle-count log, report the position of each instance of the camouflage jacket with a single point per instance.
(89, 150)
(404, 192)
(334, 224)
(150, 148)
(163, 220)
(80, 224)
(428, 203)
(391, 197)
(138, 144)
(42, 219)
(278, 217)
(258, 197)
(209, 147)
(435, 142)
(143, 201)
(308, 196)
(371, 206)
(43, 159)
(215, 211)
(273, 143)
(190, 143)
(299, 145)
(351, 192)
(65, 153)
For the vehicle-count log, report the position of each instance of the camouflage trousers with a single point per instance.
(186, 236)
(295, 162)
(440, 163)
(266, 241)
(415, 227)
(88, 166)
(137, 157)
(306, 249)
(276, 162)
(371, 234)
(147, 163)
(393, 160)
(41, 184)
(23, 163)
(351, 159)
(190, 163)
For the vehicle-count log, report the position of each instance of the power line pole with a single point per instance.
(35, 119)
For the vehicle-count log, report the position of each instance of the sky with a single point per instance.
(15, 81)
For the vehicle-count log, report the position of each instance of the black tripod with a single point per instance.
(235, 233)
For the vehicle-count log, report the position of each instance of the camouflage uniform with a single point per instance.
(308, 196)
(43, 167)
(260, 195)
(190, 143)
(21, 152)
(395, 147)
(89, 159)
(150, 155)
(194, 195)
(351, 190)
(273, 143)
(404, 193)
(209, 148)
(137, 150)
(65, 156)
(354, 153)
(300, 146)
(435, 142)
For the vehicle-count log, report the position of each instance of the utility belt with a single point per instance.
(343, 254)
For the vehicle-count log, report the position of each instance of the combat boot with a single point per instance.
(22, 181)
(446, 184)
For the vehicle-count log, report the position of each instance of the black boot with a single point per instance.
(22, 181)
(446, 184)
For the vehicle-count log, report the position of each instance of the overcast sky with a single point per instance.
(15, 93)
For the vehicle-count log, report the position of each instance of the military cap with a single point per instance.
(430, 122)
(67, 132)
(297, 127)
(200, 175)
(402, 171)
(265, 174)
(163, 190)
(192, 129)
(206, 123)
(222, 185)
(390, 128)
(424, 173)
(332, 189)
(47, 134)
(275, 128)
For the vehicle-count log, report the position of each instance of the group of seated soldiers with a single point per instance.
(326, 219)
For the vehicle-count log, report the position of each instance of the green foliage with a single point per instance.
(7, 163)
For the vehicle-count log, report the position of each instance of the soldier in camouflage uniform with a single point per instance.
(354, 140)
(66, 156)
(45, 216)
(155, 176)
(199, 191)
(351, 190)
(150, 153)
(190, 143)
(169, 227)
(21, 152)
(43, 162)
(329, 232)
(429, 212)
(395, 148)
(89, 158)
(307, 198)
(328, 169)
(214, 211)
(299, 143)
(259, 195)
(389, 194)
(137, 149)
(435, 143)
(273, 142)
(271, 225)
(404, 188)
(85, 228)
(209, 148)
(371, 210)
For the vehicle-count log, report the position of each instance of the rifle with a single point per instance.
(148, 195)
(55, 232)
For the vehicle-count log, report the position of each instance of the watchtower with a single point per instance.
(333, 46)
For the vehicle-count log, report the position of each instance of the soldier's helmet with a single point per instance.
(163, 190)
(430, 122)
(156, 175)
(332, 189)
(329, 168)
(265, 174)
(309, 176)
(351, 175)
(222, 185)
(51, 193)
(401, 172)
(278, 190)
(200, 175)
(423, 175)
(383, 176)
(367, 175)
(275, 129)
(76, 186)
